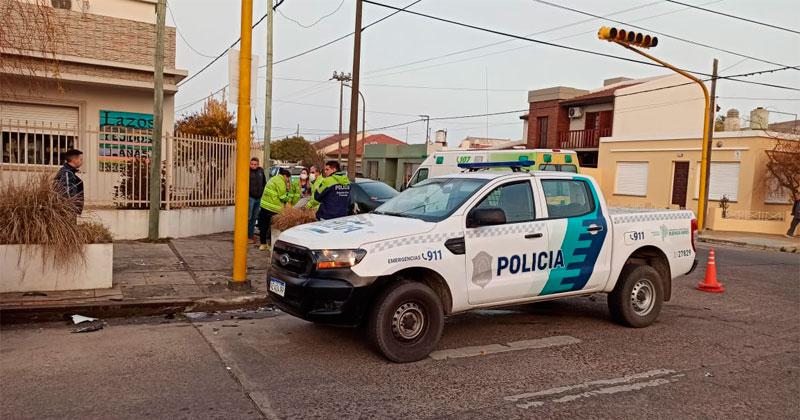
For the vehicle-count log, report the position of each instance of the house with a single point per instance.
(394, 164)
(569, 118)
(96, 84)
(93, 90)
(334, 143)
(482, 143)
(344, 152)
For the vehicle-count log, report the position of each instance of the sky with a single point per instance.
(412, 65)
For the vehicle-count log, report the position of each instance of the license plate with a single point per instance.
(276, 286)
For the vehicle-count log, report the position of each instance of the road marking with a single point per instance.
(622, 384)
(538, 343)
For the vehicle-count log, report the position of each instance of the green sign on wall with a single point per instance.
(123, 137)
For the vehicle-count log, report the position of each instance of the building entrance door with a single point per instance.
(680, 183)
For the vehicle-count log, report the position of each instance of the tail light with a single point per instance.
(694, 235)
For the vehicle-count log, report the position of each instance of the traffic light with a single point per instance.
(627, 37)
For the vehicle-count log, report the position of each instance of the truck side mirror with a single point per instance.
(485, 217)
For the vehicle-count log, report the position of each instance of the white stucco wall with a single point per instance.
(677, 111)
(139, 10)
(179, 223)
(24, 270)
(91, 99)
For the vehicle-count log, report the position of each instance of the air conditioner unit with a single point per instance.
(575, 112)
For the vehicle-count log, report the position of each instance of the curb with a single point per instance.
(787, 249)
(115, 309)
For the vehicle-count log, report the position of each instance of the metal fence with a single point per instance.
(196, 171)
(755, 215)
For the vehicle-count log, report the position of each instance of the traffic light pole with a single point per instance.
(702, 200)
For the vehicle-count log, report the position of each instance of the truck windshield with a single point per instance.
(432, 200)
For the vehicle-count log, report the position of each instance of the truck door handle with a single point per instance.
(533, 235)
(594, 229)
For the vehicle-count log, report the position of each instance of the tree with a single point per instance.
(31, 28)
(213, 120)
(296, 149)
(783, 164)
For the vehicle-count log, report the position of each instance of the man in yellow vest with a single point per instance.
(276, 195)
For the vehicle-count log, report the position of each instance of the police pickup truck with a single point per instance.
(476, 240)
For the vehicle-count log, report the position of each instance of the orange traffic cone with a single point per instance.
(710, 284)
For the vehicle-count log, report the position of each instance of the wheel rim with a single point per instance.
(643, 297)
(408, 321)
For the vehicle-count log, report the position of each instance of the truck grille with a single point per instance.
(291, 258)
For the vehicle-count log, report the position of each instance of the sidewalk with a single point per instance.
(154, 278)
(753, 240)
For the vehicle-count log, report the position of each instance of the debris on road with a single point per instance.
(77, 319)
(90, 327)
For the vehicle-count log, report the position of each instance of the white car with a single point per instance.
(476, 240)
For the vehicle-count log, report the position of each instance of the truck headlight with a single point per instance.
(337, 258)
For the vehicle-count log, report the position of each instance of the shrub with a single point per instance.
(291, 217)
(34, 213)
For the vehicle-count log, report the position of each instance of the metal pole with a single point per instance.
(268, 94)
(710, 134)
(239, 278)
(341, 104)
(363, 117)
(705, 155)
(351, 158)
(158, 123)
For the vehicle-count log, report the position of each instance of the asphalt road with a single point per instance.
(730, 355)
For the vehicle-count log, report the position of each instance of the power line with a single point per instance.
(735, 17)
(185, 81)
(566, 47)
(758, 99)
(450, 54)
(180, 34)
(343, 36)
(658, 33)
(458, 117)
(316, 21)
(186, 106)
(517, 48)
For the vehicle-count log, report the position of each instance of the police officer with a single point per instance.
(333, 193)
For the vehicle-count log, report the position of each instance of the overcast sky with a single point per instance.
(448, 84)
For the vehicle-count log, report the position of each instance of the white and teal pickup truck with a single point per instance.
(477, 240)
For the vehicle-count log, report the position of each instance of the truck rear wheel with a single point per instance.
(406, 321)
(638, 296)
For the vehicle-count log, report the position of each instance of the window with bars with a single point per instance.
(35, 148)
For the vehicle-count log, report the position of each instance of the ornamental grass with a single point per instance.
(290, 217)
(34, 213)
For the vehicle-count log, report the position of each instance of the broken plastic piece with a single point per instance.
(77, 319)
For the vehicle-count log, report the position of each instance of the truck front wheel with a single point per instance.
(637, 298)
(406, 321)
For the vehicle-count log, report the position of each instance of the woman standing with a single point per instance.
(305, 183)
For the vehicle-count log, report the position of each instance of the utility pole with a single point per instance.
(239, 278)
(427, 119)
(710, 134)
(351, 158)
(158, 123)
(342, 78)
(268, 94)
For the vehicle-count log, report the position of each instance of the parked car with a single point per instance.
(367, 194)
